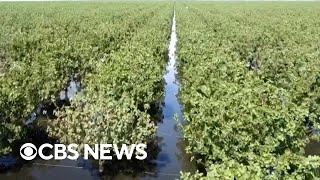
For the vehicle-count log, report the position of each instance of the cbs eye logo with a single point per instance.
(28, 151)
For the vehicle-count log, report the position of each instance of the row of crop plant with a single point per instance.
(122, 91)
(116, 50)
(250, 77)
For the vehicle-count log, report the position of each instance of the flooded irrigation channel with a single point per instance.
(170, 157)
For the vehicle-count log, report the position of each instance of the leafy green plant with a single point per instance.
(249, 88)
(109, 47)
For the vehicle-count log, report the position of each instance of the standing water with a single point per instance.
(170, 161)
(172, 157)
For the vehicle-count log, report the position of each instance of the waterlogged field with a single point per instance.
(250, 86)
(115, 52)
(95, 73)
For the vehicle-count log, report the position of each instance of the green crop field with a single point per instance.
(117, 50)
(248, 72)
(250, 78)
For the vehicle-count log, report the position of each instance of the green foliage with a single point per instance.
(121, 89)
(10, 134)
(117, 49)
(250, 80)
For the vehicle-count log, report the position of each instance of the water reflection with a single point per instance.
(40, 169)
(166, 155)
(47, 108)
(313, 148)
(172, 158)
